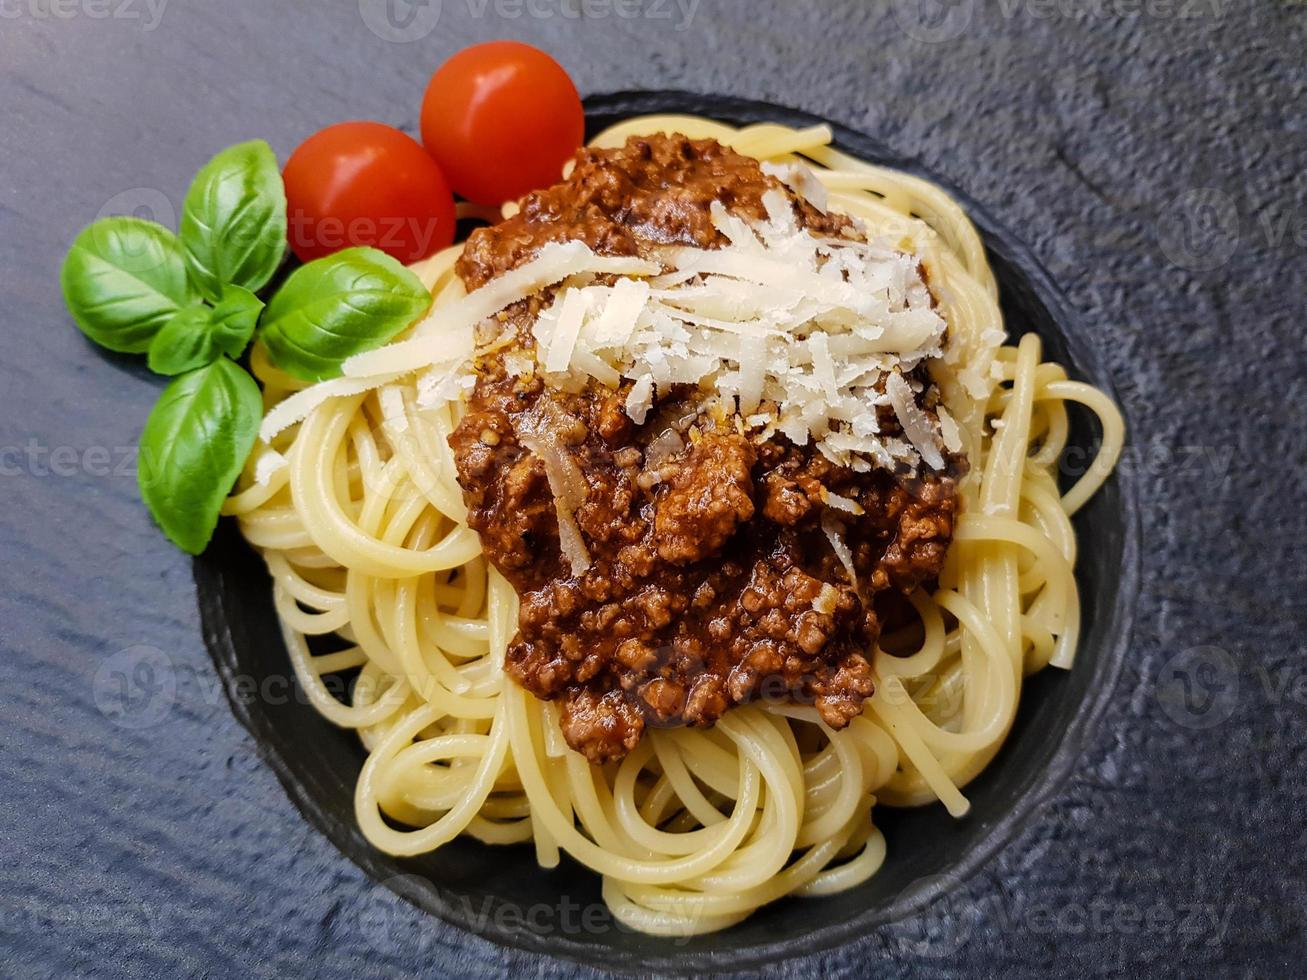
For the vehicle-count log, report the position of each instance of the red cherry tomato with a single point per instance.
(362, 183)
(501, 119)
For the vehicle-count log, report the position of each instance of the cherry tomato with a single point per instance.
(363, 183)
(501, 119)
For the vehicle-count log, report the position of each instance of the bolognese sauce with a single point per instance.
(713, 579)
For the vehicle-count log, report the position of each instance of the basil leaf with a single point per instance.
(123, 279)
(195, 443)
(199, 335)
(234, 219)
(185, 343)
(234, 318)
(339, 306)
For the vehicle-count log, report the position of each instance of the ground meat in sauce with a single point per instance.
(709, 566)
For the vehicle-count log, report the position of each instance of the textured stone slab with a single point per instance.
(1153, 161)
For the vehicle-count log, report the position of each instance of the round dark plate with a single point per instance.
(503, 895)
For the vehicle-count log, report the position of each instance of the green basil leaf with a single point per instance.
(185, 343)
(339, 306)
(198, 335)
(234, 219)
(195, 443)
(123, 279)
(234, 318)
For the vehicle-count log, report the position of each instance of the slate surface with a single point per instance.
(1151, 153)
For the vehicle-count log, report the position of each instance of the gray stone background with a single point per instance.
(1151, 153)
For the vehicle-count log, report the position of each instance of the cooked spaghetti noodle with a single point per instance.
(364, 532)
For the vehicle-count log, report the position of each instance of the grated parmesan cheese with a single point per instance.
(640, 399)
(447, 332)
(568, 486)
(560, 325)
(916, 425)
(798, 334)
(300, 405)
(825, 602)
(801, 180)
(841, 503)
(834, 531)
(949, 430)
(269, 462)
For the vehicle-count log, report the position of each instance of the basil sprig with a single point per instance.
(339, 306)
(189, 301)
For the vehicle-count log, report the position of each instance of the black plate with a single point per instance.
(502, 894)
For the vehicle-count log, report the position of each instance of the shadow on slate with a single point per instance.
(489, 890)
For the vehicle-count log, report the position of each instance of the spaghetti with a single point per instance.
(358, 512)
